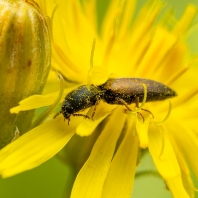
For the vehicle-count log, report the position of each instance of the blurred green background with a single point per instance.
(49, 179)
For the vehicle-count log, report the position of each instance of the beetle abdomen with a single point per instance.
(128, 89)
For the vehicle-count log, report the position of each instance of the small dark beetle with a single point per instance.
(119, 91)
(80, 99)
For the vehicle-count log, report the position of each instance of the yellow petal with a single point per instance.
(90, 9)
(35, 147)
(160, 38)
(127, 15)
(120, 178)
(90, 179)
(142, 130)
(79, 36)
(186, 144)
(180, 149)
(167, 163)
(37, 101)
(185, 22)
(88, 126)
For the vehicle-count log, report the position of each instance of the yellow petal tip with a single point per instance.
(15, 110)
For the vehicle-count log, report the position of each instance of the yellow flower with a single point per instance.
(126, 46)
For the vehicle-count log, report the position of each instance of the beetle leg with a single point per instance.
(148, 111)
(68, 121)
(137, 105)
(124, 103)
(137, 101)
(83, 115)
(141, 116)
(95, 106)
(128, 108)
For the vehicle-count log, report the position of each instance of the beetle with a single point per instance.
(119, 91)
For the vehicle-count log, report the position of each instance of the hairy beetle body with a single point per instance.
(128, 89)
(80, 99)
(119, 91)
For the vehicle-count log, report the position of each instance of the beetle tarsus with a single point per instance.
(128, 108)
(95, 106)
(148, 112)
(137, 105)
(141, 116)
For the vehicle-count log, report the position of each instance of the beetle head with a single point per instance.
(66, 115)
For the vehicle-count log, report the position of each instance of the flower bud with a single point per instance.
(24, 62)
